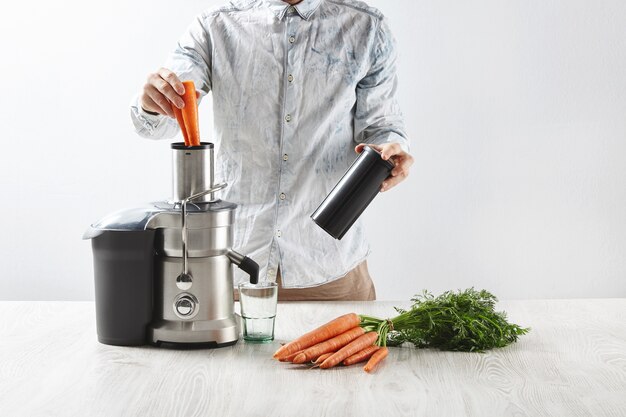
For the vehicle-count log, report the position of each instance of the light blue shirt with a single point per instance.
(295, 89)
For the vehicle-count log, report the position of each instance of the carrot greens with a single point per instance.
(460, 321)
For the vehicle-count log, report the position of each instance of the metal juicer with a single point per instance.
(163, 271)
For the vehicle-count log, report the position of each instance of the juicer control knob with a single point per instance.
(186, 306)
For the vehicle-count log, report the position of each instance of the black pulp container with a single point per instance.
(123, 267)
(353, 193)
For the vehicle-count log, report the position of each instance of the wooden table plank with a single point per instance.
(573, 363)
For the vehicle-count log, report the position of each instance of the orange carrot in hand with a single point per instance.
(375, 359)
(325, 332)
(181, 122)
(190, 113)
(361, 356)
(330, 345)
(350, 349)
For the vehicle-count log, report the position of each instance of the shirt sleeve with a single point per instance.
(190, 60)
(378, 118)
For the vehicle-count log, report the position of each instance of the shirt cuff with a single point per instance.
(144, 122)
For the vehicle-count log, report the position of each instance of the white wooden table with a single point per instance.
(573, 363)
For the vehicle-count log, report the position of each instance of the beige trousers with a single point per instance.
(356, 285)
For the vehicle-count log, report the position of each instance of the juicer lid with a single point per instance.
(134, 218)
(141, 218)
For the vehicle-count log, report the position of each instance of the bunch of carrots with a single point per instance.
(187, 117)
(463, 320)
(340, 341)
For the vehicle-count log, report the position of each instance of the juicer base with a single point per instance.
(212, 333)
(189, 346)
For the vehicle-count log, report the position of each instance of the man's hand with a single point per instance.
(401, 159)
(161, 90)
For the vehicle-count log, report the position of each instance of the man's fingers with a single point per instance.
(390, 149)
(166, 89)
(400, 158)
(173, 80)
(400, 170)
(403, 163)
(391, 182)
(148, 104)
(399, 173)
(160, 100)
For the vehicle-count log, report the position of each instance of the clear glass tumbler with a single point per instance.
(258, 310)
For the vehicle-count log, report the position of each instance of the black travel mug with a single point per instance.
(353, 193)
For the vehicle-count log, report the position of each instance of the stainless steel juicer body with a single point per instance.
(191, 263)
(199, 309)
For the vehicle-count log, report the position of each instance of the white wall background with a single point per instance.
(517, 110)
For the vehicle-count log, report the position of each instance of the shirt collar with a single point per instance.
(305, 8)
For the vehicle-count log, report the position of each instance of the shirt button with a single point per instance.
(271, 273)
(278, 234)
(292, 9)
(290, 78)
(288, 118)
(285, 157)
(292, 39)
(282, 196)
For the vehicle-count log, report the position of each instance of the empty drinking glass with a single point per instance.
(258, 310)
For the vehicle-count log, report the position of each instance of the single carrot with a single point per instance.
(190, 113)
(290, 357)
(325, 332)
(323, 358)
(375, 359)
(330, 345)
(317, 362)
(179, 117)
(350, 349)
(361, 356)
